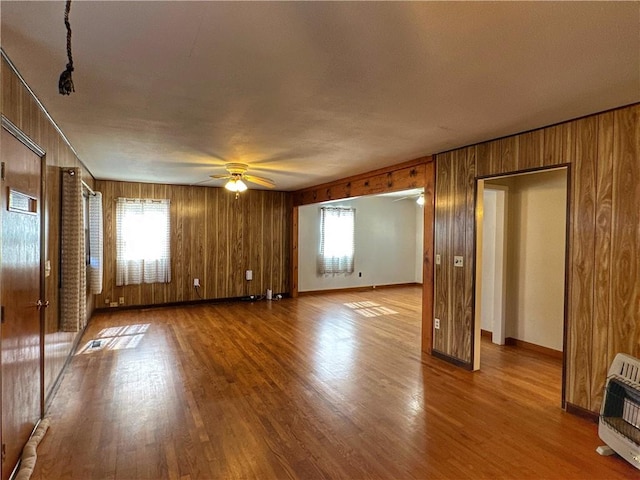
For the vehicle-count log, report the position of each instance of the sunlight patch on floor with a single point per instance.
(116, 338)
(370, 309)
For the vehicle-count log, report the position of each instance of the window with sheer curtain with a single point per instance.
(143, 241)
(337, 227)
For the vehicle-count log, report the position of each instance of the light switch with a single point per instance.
(457, 261)
(437, 259)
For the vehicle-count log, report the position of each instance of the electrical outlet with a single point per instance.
(457, 261)
(107, 301)
(436, 324)
(121, 300)
(113, 304)
(196, 282)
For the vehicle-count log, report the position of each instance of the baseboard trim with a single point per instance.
(514, 342)
(366, 288)
(455, 361)
(186, 303)
(582, 412)
(533, 347)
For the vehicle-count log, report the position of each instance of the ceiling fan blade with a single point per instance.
(200, 182)
(216, 177)
(265, 182)
(404, 198)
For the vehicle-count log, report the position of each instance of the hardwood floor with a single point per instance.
(326, 386)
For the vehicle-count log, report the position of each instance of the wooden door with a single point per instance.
(20, 296)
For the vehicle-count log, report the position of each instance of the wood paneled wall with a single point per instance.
(214, 238)
(22, 109)
(454, 233)
(603, 297)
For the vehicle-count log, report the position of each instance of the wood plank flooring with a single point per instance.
(323, 386)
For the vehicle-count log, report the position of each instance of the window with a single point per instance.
(336, 240)
(143, 247)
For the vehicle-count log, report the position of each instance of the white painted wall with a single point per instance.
(385, 244)
(419, 241)
(488, 259)
(536, 242)
(492, 265)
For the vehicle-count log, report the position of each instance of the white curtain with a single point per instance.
(143, 241)
(95, 243)
(72, 263)
(337, 245)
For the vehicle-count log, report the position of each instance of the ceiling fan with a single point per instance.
(237, 175)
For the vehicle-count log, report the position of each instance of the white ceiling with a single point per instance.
(308, 92)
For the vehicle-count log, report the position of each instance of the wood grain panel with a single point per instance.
(553, 152)
(470, 256)
(10, 94)
(583, 206)
(625, 245)
(483, 159)
(601, 355)
(455, 339)
(530, 148)
(210, 278)
(285, 205)
(214, 238)
(509, 154)
(443, 248)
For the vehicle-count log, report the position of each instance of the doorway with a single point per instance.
(20, 294)
(387, 237)
(521, 261)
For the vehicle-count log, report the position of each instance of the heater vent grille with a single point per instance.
(629, 371)
(621, 409)
(619, 424)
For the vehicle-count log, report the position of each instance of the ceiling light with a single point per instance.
(420, 200)
(236, 185)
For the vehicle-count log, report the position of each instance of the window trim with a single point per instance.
(135, 271)
(344, 263)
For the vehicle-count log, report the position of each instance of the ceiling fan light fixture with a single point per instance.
(236, 185)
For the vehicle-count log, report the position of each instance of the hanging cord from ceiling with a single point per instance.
(65, 84)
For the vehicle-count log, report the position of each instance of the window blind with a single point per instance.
(143, 253)
(337, 246)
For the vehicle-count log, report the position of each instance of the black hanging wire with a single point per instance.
(65, 84)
